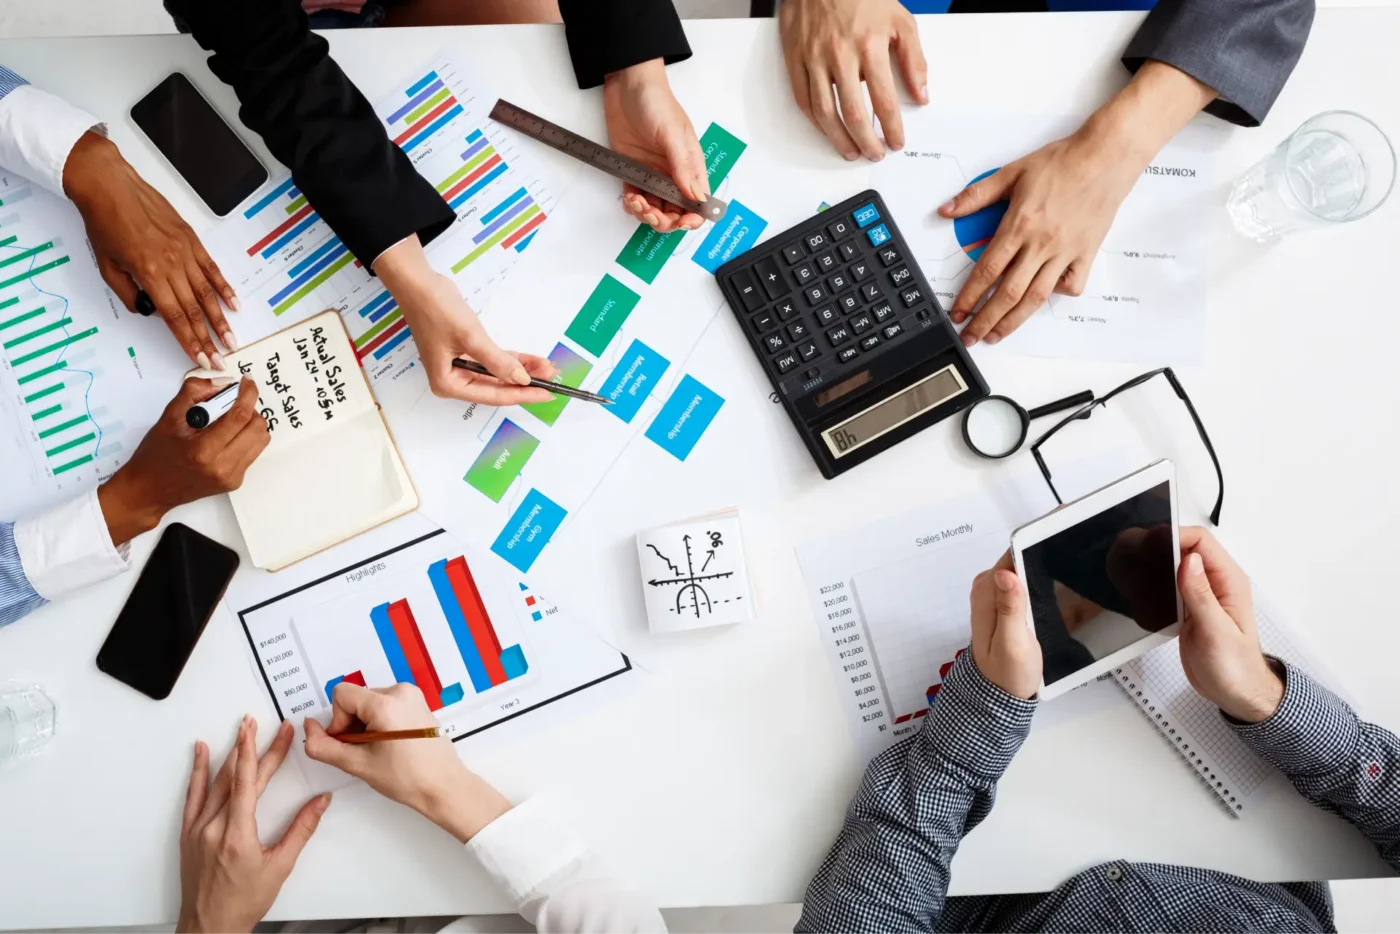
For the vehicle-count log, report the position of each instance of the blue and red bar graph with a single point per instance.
(488, 665)
(426, 92)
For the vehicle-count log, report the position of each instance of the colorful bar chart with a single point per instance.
(353, 677)
(430, 105)
(408, 654)
(487, 664)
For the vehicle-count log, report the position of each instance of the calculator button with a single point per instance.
(878, 235)
(911, 297)
(838, 283)
(826, 262)
(847, 355)
(804, 274)
(786, 362)
(838, 335)
(860, 271)
(862, 322)
(870, 343)
(866, 215)
(893, 330)
(808, 351)
(798, 330)
(816, 241)
(839, 229)
(882, 312)
(764, 321)
(771, 278)
(748, 289)
(815, 295)
(826, 316)
(848, 303)
(793, 253)
(888, 256)
(774, 342)
(849, 250)
(785, 309)
(812, 373)
(871, 292)
(900, 276)
(923, 314)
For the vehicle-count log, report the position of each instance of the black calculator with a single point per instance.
(849, 332)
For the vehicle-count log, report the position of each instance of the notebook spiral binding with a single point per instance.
(1213, 782)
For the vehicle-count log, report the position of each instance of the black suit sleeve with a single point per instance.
(316, 121)
(610, 35)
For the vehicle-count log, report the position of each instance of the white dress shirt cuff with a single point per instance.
(523, 848)
(68, 547)
(37, 132)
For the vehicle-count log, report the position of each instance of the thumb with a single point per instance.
(286, 850)
(323, 747)
(979, 194)
(118, 281)
(687, 162)
(1011, 600)
(502, 364)
(1201, 604)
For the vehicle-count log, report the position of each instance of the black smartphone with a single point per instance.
(199, 144)
(167, 611)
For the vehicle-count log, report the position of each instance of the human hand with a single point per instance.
(228, 879)
(424, 774)
(176, 464)
(1003, 645)
(141, 243)
(647, 123)
(1219, 646)
(445, 327)
(843, 42)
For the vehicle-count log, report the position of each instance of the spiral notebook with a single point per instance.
(1194, 726)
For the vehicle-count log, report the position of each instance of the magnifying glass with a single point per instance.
(996, 427)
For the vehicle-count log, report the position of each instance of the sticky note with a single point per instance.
(684, 417)
(572, 370)
(501, 461)
(730, 236)
(529, 529)
(633, 379)
(594, 327)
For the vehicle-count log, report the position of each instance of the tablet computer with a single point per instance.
(1100, 574)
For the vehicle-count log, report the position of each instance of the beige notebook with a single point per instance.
(331, 471)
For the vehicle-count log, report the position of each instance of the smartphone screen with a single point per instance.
(167, 611)
(197, 141)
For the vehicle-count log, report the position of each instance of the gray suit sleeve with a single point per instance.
(1244, 49)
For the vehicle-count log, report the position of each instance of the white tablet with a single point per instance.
(1101, 576)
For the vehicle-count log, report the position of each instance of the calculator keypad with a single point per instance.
(838, 292)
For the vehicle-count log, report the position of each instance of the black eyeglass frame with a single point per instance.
(1088, 410)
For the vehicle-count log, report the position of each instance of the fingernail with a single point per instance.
(949, 204)
(851, 156)
(520, 377)
(968, 340)
(1004, 581)
(323, 802)
(202, 359)
(1193, 564)
(218, 361)
(923, 94)
(878, 157)
(234, 303)
(959, 317)
(993, 337)
(229, 340)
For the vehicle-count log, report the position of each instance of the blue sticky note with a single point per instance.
(530, 528)
(866, 215)
(684, 417)
(878, 235)
(730, 236)
(632, 380)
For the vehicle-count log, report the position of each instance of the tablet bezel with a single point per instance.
(1071, 514)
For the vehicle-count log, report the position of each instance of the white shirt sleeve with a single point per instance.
(37, 132)
(553, 879)
(68, 547)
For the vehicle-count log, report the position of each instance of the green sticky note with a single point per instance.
(572, 370)
(501, 461)
(722, 149)
(597, 323)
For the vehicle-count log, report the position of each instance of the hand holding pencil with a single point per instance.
(423, 773)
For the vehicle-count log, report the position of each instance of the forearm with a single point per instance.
(888, 869)
(1334, 759)
(605, 36)
(1139, 120)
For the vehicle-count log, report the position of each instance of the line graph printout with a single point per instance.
(694, 574)
(407, 603)
(891, 602)
(287, 264)
(81, 378)
(1145, 299)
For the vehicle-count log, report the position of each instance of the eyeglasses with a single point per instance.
(1088, 410)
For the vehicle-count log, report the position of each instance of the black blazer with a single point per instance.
(317, 122)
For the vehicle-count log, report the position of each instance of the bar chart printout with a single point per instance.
(80, 379)
(420, 614)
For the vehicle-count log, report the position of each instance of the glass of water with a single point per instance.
(1337, 167)
(26, 721)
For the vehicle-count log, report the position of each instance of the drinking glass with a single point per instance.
(26, 721)
(1337, 167)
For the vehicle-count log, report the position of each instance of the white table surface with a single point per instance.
(720, 775)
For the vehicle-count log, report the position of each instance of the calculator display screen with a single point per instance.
(885, 416)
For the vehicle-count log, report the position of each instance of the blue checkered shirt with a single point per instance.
(888, 870)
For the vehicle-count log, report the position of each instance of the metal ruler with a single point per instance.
(604, 159)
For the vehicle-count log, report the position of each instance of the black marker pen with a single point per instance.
(203, 414)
